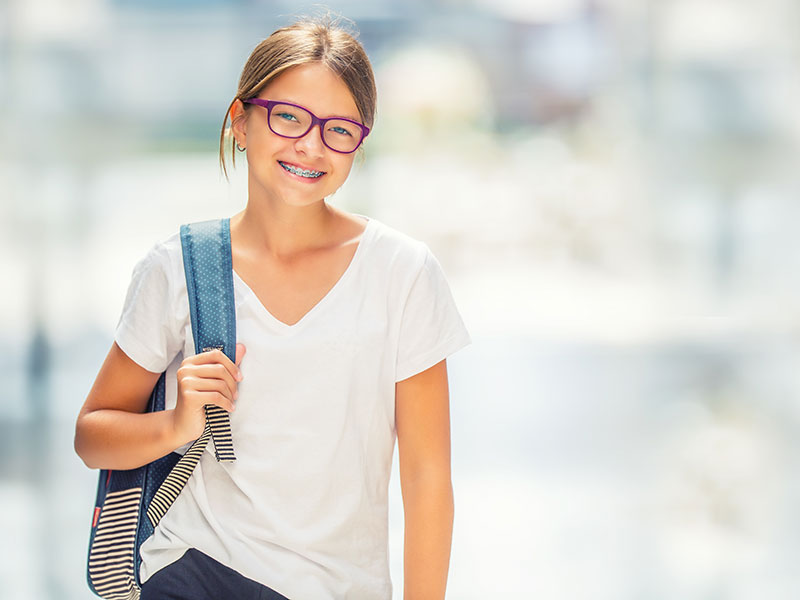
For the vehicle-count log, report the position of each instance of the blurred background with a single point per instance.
(611, 187)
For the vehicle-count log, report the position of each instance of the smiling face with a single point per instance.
(285, 169)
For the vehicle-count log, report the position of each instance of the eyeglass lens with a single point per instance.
(294, 122)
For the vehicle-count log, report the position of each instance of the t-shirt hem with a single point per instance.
(427, 360)
(136, 351)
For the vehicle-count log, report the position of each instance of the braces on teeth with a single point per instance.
(301, 172)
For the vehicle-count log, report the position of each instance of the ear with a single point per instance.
(238, 117)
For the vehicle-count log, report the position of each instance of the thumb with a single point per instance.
(240, 351)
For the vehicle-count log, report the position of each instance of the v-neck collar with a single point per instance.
(253, 297)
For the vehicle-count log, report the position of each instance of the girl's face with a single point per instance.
(271, 158)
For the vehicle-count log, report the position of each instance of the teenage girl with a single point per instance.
(343, 324)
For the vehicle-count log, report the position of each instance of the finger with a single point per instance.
(209, 391)
(215, 356)
(240, 352)
(213, 371)
(193, 383)
(206, 397)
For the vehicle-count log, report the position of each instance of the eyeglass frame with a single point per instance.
(315, 120)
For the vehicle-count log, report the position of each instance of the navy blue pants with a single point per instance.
(196, 576)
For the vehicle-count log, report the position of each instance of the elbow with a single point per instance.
(79, 446)
(83, 456)
(427, 472)
(80, 443)
(429, 484)
(429, 498)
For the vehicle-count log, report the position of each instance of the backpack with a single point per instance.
(130, 503)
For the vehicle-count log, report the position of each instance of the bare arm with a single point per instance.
(422, 416)
(113, 431)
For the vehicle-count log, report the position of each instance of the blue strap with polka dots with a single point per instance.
(209, 281)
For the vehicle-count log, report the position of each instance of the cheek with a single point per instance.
(262, 148)
(343, 167)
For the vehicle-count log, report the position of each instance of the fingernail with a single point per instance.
(238, 375)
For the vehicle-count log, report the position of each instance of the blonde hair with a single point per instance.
(310, 40)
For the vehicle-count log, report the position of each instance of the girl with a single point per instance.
(343, 324)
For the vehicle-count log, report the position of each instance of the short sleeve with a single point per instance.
(150, 329)
(431, 327)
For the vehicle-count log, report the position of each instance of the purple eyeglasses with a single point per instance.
(294, 121)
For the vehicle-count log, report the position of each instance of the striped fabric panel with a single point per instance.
(177, 478)
(219, 420)
(111, 558)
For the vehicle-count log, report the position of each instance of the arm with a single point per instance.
(113, 431)
(422, 417)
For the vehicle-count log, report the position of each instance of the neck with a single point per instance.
(282, 230)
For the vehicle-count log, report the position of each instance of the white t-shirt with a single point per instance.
(304, 508)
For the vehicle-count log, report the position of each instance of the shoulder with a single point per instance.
(164, 250)
(164, 257)
(397, 249)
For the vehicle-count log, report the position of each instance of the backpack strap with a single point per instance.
(208, 266)
(209, 282)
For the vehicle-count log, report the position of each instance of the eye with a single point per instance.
(340, 130)
(286, 115)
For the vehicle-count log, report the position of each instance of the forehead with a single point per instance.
(317, 88)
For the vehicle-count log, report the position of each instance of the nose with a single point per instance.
(311, 143)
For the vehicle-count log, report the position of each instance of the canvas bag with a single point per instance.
(130, 503)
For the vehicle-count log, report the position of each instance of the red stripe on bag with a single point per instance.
(96, 516)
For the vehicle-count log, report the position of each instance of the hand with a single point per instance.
(205, 378)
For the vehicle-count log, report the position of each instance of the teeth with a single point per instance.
(301, 172)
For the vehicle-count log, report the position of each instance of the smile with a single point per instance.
(302, 172)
